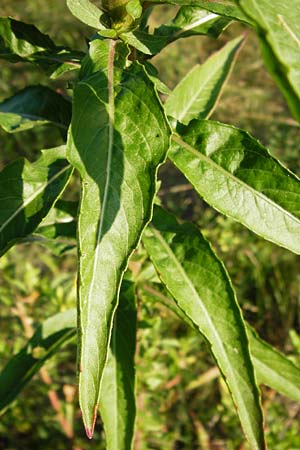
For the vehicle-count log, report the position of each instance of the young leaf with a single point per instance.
(236, 175)
(117, 397)
(202, 289)
(273, 368)
(27, 193)
(207, 80)
(117, 155)
(278, 28)
(48, 338)
(33, 106)
(87, 12)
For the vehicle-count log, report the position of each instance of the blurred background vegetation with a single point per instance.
(182, 402)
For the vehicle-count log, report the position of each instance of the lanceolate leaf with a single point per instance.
(228, 8)
(184, 103)
(27, 193)
(33, 106)
(61, 220)
(273, 368)
(237, 176)
(20, 41)
(117, 155)
(278, 26)
(189, 21)
(48, 338)
(117, 398)
(201, 287)
(193, 20)
(87, 12)
(57, 231)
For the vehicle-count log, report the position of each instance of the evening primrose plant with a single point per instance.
(119, 126)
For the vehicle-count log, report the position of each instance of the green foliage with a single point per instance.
(121, 132)
(278, 27)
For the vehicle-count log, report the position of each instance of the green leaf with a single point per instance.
(87, 12)
(19, 39)
(27, 193)
(33, 106)
(192, 21)
(117, 154)
(229, 8)
(144, 42)
(273, 368)
(189, 21)
(24, 42)
(207, 80)
(60, 329)
(134, 8)
(198, 281)
(20, 369)
(153, 75)
(117, 398)
(278, 27)
(99, 52)
(236, 175)
(61, 221)
(57, 232)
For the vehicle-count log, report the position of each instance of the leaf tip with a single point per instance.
(89, 430)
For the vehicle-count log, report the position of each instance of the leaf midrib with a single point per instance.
(111, 115)
(209, 78)
(197, 22)
(205, 312)
(266, 367)
(229, 175)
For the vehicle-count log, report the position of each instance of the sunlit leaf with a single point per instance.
(117, 155)
(27, 193)
(278, 27)
(33, 106)
(229, 8)
(208, 79)
(192, 21)
(273, 368)
(20, 369)
(87, 12)
(20, 41)
(198, 281)
(236, 175)
(189, 21)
